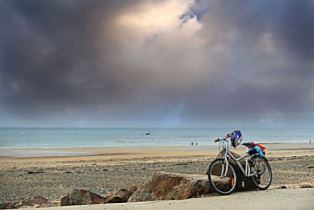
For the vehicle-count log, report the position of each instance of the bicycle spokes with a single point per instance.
(262, 175)
(222, 177)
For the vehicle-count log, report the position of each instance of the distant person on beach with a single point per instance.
(192, 143)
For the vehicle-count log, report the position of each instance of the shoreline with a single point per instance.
(31, 152)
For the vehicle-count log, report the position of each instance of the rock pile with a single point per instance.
(162, 186)
(172, 186)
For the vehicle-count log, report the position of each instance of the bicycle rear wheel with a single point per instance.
(222, 177)
(262, 177)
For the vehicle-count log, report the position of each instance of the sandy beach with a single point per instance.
(54, 172)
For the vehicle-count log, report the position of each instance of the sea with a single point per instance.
(135, 137)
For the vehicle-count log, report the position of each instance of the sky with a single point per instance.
(174, 63)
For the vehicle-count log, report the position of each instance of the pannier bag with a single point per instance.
(254, 148)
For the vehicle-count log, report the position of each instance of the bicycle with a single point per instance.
(226, 171)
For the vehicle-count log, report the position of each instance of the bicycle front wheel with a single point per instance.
(222, 177)
(262, 174)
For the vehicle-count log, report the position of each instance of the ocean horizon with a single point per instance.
(130, 137)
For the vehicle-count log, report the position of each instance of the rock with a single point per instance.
(142, 194)
(54, 203)
(65, 201)
(281, 187)
(121, 196)
(172, 186)
(69, 172)
(35, 172)
(310, 167)
(306, 186)
(132, 189)
(81, 197)
(10, 205)
(181, 164)
(38, 201)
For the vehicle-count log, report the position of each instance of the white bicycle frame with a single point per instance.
(224, 146)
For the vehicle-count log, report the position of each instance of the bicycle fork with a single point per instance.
(224, 169)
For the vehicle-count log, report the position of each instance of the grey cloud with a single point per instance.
(68, 59)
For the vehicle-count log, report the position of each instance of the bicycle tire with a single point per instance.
(233, 182)
(256, 179)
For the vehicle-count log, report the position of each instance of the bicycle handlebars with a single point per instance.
(216, 140)
(219, 139)
(225, 138)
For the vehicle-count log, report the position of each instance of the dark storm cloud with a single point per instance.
(272, 57)
(52, 55)
(116, 61)
(295, 29)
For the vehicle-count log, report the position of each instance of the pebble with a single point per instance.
(35, 172)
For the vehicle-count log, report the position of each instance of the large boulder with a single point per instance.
(81, 197)
(121, 196)
(132, 189)
(172, 186)
(142, 194)
(10, 205)
(36, 201)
